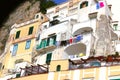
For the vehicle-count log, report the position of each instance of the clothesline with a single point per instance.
(69, 41)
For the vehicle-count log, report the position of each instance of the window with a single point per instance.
(15, 49)
(3, 66)
(48, 58)
(58, 68)
(54, 22)
(17, 34)
(37, 16)
(84, 4)
(17, 75)
(43, 43)
(30, 30)
(115, 79)
(115, 26)
(51, 40)
(28, 44)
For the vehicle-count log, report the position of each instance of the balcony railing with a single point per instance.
(44, 46)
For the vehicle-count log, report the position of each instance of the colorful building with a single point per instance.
(21, 43)
(72, 41)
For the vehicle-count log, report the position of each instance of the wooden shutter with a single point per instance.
(17, 34)
(30, 30)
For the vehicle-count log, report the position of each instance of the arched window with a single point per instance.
(84, 4)
(58, 68)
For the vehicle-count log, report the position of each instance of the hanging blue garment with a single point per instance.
(97, 6)
(79, 38)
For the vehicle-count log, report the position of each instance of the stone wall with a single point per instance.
(103, 44)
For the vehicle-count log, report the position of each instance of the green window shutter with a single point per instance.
(48, 58)
(86, 3)
(54, 40)
(30, 30)
(43, 43)
(80, 6)
(58, 68)
(17, 34)
(17, 75)
(115, 79)
(48, 41)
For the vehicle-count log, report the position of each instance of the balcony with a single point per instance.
(46, 44)
(76, 50)
(31, 70)
(46, 48)
(93, 15)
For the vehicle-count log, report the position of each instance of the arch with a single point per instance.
(84, 4)
(78, 49)
(82, 30)
(58, 68)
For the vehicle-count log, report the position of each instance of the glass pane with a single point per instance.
(14, 49)
(28, 44)
(51, 42)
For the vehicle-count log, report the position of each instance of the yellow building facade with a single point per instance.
(91, 73)
(21, 44)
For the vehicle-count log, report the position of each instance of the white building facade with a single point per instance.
(76, 29)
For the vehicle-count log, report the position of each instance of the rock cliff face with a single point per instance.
(22, 13)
